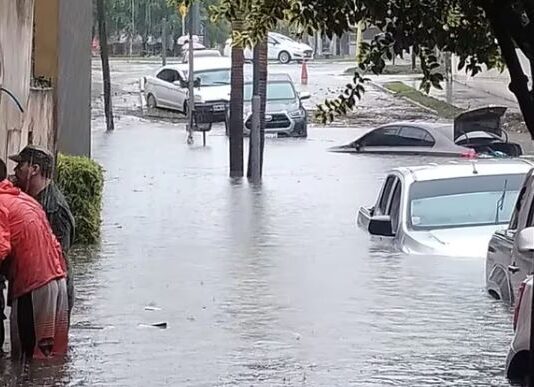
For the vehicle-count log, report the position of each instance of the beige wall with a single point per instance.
(16, 31)
(63, 54)
(46, 38)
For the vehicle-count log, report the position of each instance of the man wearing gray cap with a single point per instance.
(33, 174)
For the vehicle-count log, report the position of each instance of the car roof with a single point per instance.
(444, 128)
(202, 64)
(457, 169)
(279, 77)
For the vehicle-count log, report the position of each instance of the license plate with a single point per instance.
(218, 108)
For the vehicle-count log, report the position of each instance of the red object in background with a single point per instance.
(304, 74)
(470, 154)
(95, 46)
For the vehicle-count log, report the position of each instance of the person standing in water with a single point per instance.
(33, 174)
(31, 257)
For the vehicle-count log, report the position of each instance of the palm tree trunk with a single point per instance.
(260, 88)
(263, 71)
(236, 107)
(102, 34)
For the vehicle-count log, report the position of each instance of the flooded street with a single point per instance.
(270, 285)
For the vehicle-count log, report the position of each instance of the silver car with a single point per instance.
(450, 209)
(474, 132)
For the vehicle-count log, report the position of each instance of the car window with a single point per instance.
(168, 75)
(411, 136)
(219, 77)
(387, 136)
(463, 201)
(385, 195)
(514, 222)
(271, 40)
(276, 91)
(530, 219)
(395, 206)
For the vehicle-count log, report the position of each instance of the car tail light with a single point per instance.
(470, 154)
(522, 288)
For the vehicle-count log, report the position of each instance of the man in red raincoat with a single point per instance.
(36, 272)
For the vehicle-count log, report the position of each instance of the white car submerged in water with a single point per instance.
(451, 209)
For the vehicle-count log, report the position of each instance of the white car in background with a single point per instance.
(203, 53)
(451, 209)
(280, 47)
(168, 89)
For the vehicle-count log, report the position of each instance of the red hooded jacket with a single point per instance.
(33, 254)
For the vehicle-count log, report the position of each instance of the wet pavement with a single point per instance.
(268, 285)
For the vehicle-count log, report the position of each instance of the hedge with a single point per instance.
(82, 181)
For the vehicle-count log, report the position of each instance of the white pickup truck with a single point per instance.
(507, 265)
(168, 88)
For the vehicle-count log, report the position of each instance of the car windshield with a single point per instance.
(463, 202)
(213, 77)
(276, 91)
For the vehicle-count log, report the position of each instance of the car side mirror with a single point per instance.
(356, 145)
(381, 226)
(196, 82)
(525, 240)
(304, 95)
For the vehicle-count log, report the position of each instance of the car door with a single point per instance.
(500, 279)
(381, 206)
(273, 48)
(384, 198)
(159, 87)
(395, 208)
(174, 91)
(524, 262)
(165, 87)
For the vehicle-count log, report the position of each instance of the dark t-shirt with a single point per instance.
(59, 215)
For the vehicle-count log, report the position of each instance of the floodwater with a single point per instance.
(271, 285)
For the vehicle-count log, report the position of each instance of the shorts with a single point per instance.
(39, 322)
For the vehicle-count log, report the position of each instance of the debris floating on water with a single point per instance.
(160, 325)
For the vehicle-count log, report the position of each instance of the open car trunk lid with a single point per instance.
(487, 119)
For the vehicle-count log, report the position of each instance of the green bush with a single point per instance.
(82, 181)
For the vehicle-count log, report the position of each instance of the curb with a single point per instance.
(421, 106)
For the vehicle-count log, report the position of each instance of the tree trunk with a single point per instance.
(263, 72)
(236, 108)
(260, 89)
(519, 81)
(105, 64)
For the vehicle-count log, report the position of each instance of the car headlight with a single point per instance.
(301, 113)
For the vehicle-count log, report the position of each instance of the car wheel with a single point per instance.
(151, 102)
(284, 57)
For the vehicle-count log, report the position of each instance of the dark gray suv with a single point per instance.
(284, 114)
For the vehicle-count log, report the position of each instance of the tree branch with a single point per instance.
(519, 81)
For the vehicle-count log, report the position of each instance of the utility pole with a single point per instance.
(164, 43)
(102, 34)
(191, 94)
